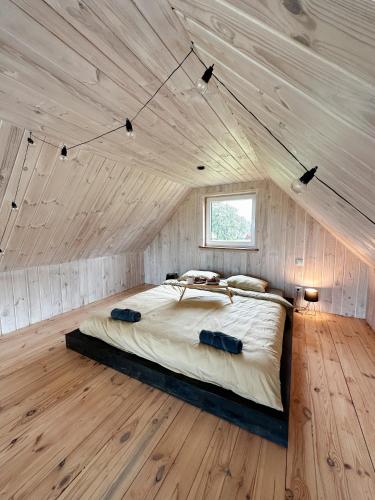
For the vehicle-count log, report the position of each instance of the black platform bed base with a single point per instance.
(258, 419)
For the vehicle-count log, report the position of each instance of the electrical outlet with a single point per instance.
(299, 261)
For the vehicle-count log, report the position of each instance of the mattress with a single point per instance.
(168, 334)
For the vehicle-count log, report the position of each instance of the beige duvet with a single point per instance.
(168, 334)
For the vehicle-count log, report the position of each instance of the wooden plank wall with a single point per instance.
(284, 232)
(36, 293)
(370, 313)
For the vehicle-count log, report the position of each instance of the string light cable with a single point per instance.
(298, 185)
(41, 140)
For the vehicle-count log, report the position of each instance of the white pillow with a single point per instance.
(198, 274)
(247, 283)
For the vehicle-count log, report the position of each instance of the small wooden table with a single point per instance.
(211, 288)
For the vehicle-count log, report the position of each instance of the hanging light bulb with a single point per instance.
(129, 129)
(64, 153)
(202, 83)
(14, 205)
(30, 141)
(300, 185)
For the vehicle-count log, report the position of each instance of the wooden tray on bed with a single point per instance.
(258, 419)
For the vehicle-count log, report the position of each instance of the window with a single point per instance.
(230, 221)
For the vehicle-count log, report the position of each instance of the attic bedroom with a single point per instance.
(187, 249)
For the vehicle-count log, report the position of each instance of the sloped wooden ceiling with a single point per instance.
(306, 69)
(71, 69)
(68, 210)
(74, 69)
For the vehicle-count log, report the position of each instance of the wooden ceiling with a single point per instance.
(72, 69)
(306, 69)
(68, 210)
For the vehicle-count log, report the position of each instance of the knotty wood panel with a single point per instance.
(284, 232)
(85, 207)
(294, 67)
(323, 28)
(36, 293)
(370, 313)
(10, 140)
(137, 442)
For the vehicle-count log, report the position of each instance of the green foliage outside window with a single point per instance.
(227, 224)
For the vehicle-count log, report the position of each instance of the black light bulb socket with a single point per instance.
(30, 140)
(64, 151)
(208, 73)
(201, 167)
(1, 251)
(308, 176)
(128, 125)
(14, 204)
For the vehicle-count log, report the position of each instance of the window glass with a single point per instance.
(230, 220)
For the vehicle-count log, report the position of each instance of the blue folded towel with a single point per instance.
(126, 315)
(221, 341)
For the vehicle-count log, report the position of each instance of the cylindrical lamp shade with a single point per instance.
(311, 295)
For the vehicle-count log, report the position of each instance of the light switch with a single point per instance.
(299, 261)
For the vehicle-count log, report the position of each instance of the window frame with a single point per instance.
(233, 244)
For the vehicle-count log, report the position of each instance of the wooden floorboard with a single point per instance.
(71, 428)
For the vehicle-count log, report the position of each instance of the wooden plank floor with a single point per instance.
(74, 429)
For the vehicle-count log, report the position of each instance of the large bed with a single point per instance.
(166, 341)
